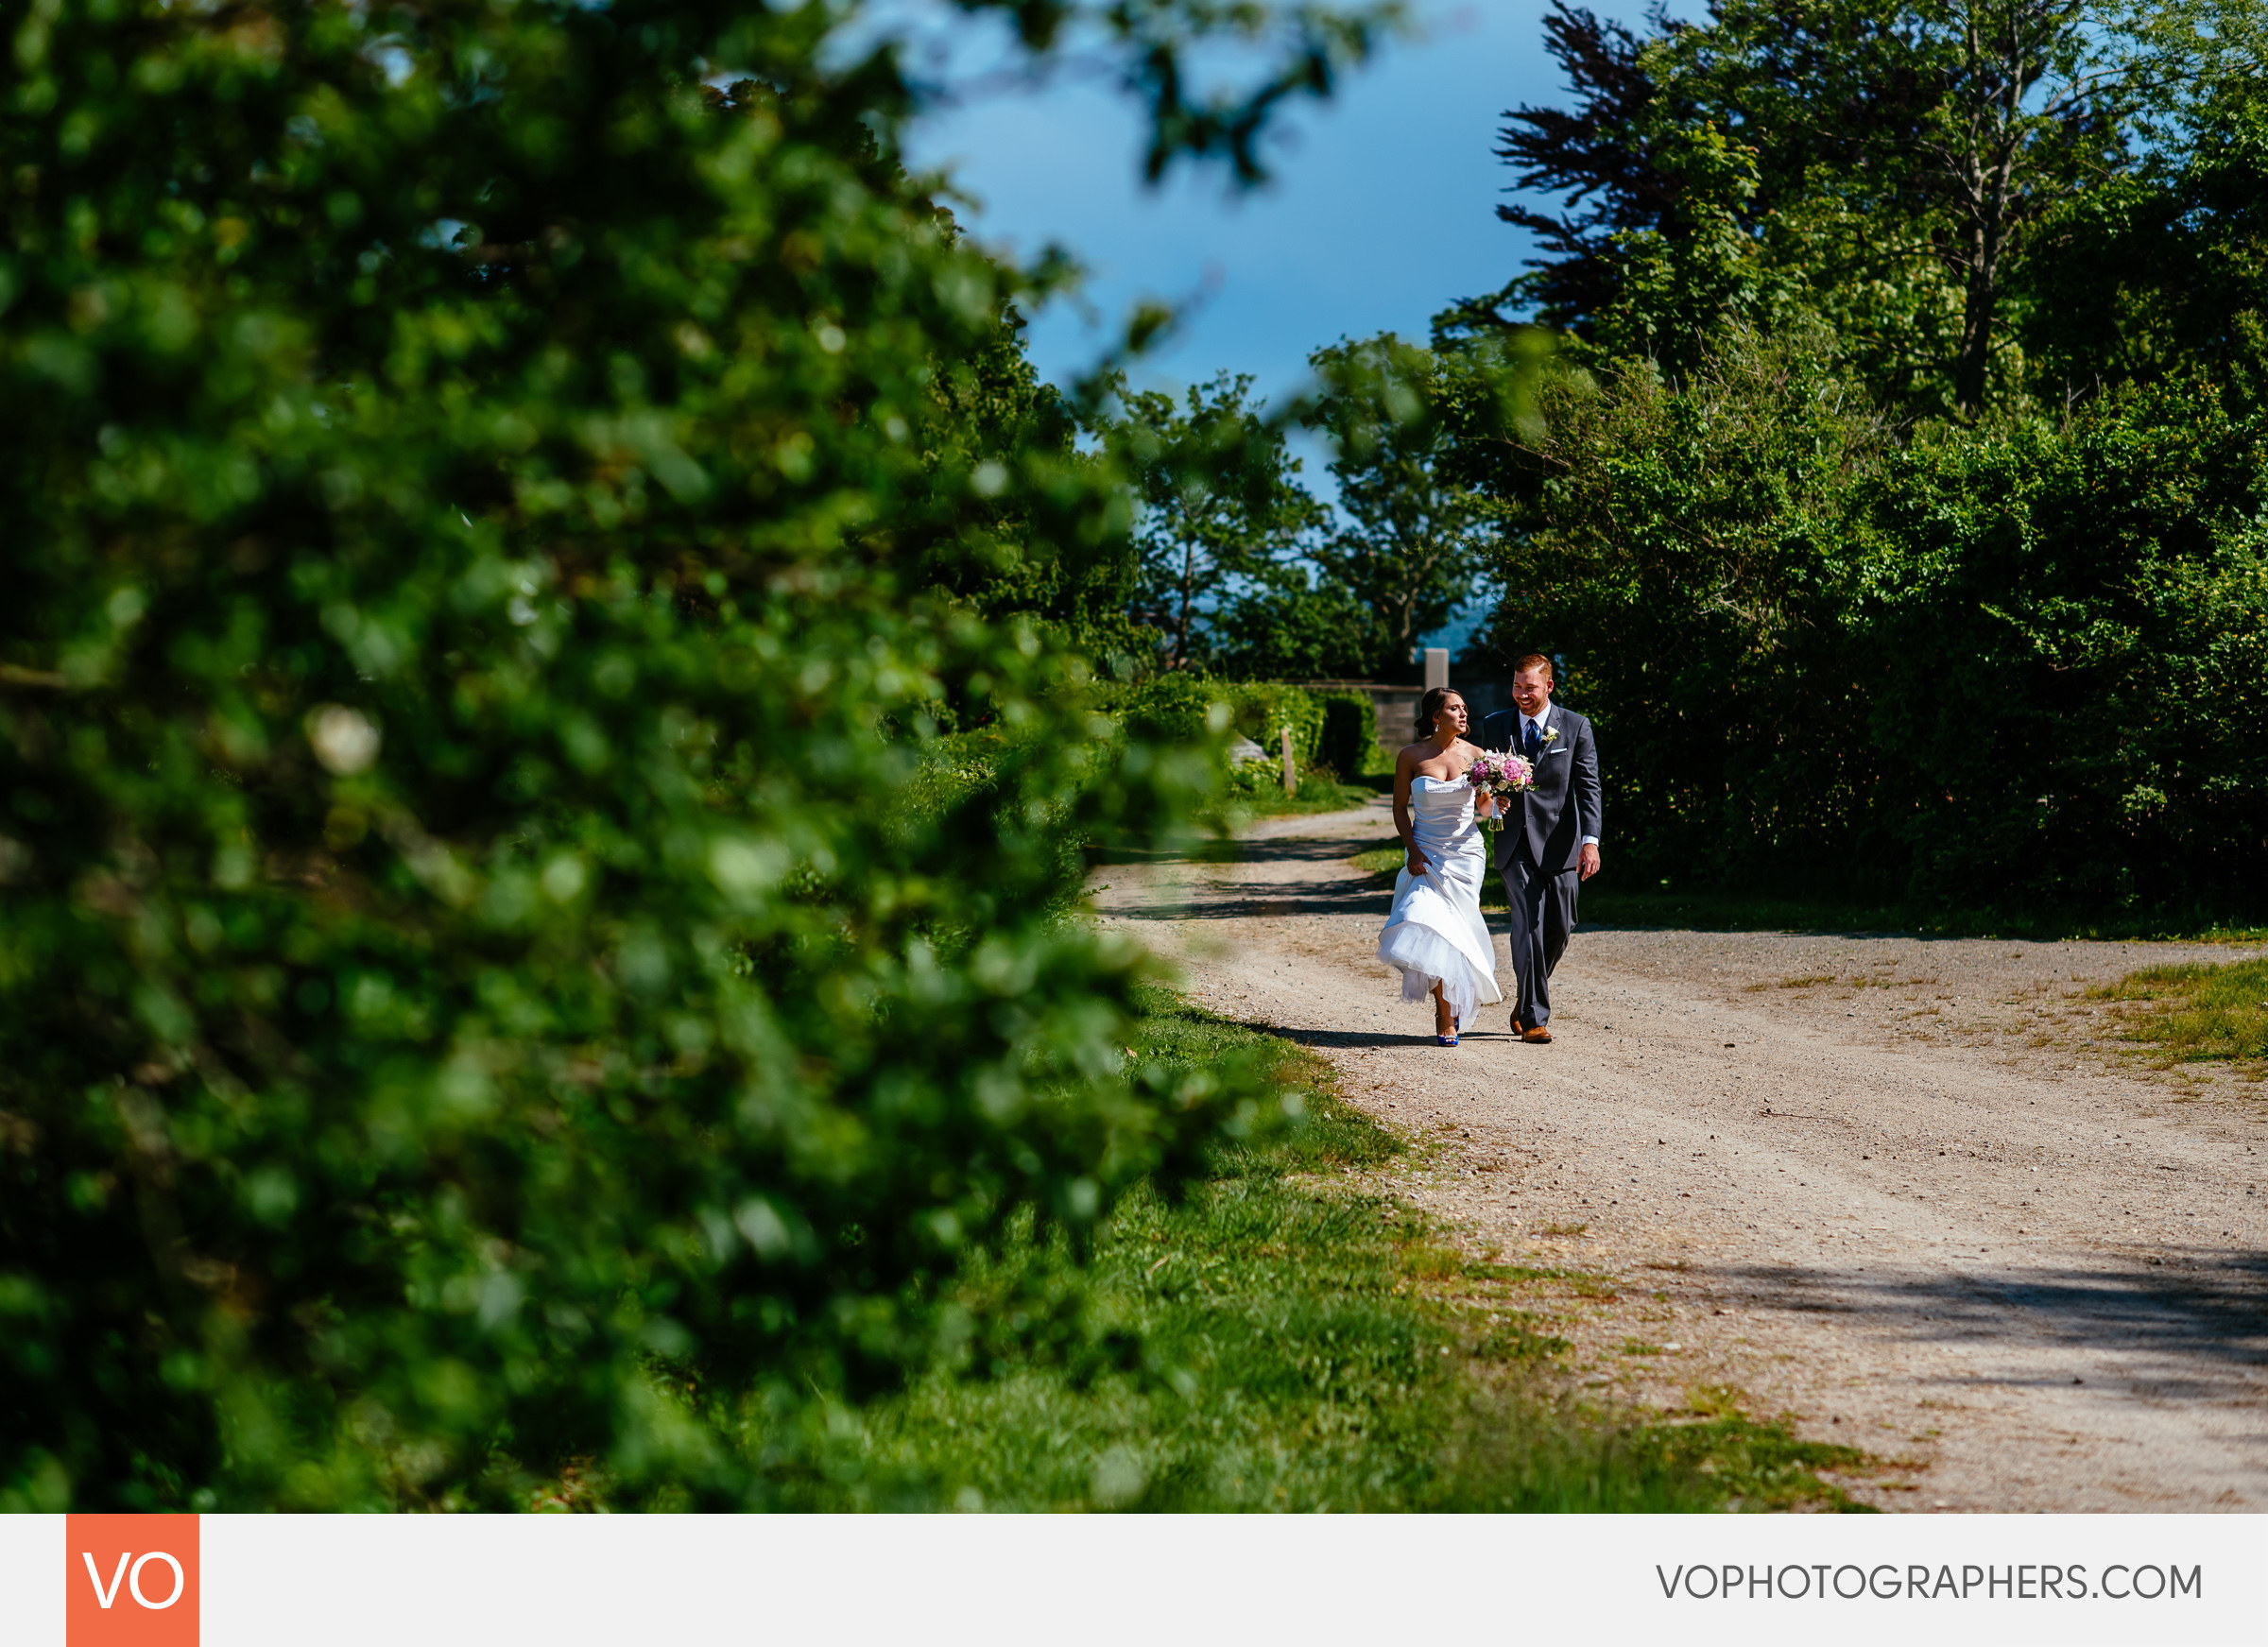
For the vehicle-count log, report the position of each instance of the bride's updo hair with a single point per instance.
(1430, 706)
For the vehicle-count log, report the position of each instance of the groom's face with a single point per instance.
(1531, 690)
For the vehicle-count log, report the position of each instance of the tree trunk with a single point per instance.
(1188, 597)
(2002, 61)
(1980, 310)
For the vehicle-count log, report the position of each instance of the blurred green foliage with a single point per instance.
(541, 764)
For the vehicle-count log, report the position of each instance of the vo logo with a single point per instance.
(131, 1581)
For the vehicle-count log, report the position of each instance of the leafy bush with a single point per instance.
(1187, 707)
(2069, 643)
(1262, 710)
(1689, 554)
(2021, 666)
(493, 973)
(1348, 744)
(1183, 707)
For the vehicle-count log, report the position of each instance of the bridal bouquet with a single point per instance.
(1495, 774)
(1499, 775)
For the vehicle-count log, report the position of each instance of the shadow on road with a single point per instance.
(2208, 1307)
(1343, 1040)
(1345, 892)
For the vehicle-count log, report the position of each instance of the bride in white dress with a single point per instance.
(1436, 934)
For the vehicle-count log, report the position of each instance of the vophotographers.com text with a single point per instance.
(1887, 1581)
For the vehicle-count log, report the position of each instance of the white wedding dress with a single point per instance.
(1436, 934)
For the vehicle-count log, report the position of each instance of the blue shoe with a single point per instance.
(1447, 1040)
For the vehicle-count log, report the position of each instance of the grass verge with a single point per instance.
(2198, 1014)
(1304, 1345)
(1317, 793)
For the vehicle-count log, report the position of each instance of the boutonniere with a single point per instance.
(1551, 734)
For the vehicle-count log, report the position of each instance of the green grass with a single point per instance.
(1304, 1345)
(1317, 793)
(2198, 1014)
(1381, 861)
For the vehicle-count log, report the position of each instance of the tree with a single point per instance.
(2019, 668)
(2164, 272)
(1598, 155)
(1416, 533)
(1904, 159)
(1220, 500)
(1806, 91)
(1295, 624)
(995, 415)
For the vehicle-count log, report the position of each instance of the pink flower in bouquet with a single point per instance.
(1494, 774)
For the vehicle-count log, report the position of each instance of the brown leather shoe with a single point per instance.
(1535, 1033)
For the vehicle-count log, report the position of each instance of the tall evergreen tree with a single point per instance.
(1903, 161)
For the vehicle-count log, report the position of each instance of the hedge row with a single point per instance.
(2024, 666)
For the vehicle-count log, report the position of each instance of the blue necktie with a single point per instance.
(1531, 740)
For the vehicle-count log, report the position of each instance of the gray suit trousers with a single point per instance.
(1543, 914)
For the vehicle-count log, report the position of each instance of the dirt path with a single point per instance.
(1899, 1188)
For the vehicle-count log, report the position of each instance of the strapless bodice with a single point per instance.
(1440, 792)
(1441, 811)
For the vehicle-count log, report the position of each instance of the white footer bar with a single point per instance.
(438, 1581)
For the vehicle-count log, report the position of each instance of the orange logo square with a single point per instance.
(129, 1581)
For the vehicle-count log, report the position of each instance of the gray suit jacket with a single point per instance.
(1551, 819)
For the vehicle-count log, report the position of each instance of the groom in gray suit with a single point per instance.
(1550, 841)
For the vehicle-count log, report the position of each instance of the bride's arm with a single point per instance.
(1405, 764)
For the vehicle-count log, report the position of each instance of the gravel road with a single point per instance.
(1908, 1191)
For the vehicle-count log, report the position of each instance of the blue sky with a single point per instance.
(1382, 210)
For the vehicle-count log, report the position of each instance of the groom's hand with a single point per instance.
(1587, 861)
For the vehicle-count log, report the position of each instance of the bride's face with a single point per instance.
(1450, 721)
